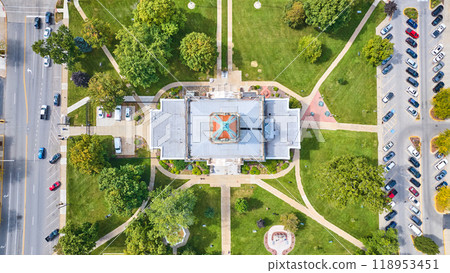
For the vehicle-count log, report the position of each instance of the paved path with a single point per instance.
(77, 105)
(219, 39)
(225, 216)
(348, 127)
(230, 35)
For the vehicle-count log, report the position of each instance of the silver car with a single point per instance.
(415, 210)
(47, 32)
(438, 67)
(439, 57)
(388, 146)
(412, 111)
(411, 63)
(47, 61)
(386, 29)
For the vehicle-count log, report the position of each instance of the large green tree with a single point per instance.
(377, 49)
(294, 14)
(88, 155)
(309, 48)
(60, 46)
(353, 179)
(289, 221)
(441, 103)
(382, 242)
(443, 200)
(443, 142)
(328, 15)
(97, 33)
(142, 239)
(426, 245)
(107, 91)
(241, 205)
(159, 12)
(170, 210)
(198, 51)
(77, 239)
(124, 188)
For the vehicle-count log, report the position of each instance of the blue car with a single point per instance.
(412, 81)
(412, 23)
(441, 175)
(413, 102)
(392, 224)
(414, 172)
(387, 69)
(411, 53)
(390, 185)
(41, 153)
(389, 156)
(388, 116)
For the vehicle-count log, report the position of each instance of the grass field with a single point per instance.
(355, 101)
(261, 35)
(355, 220)
(287, 185)
(113, 246)
(162, 181)
(310, 239)
(208, 239)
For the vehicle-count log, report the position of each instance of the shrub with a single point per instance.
(245, 169)
(241, 205)
(255, 170)
(426, 245)
(284, 166)
(196, 171)
(80, 79)
(294, 14)
(179, 165)
(310, 48)
(209, 213)
(277, 95)
(275, 88)
(294, 103)
(82, 44)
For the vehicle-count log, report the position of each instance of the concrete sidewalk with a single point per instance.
(3, 38)
(77, 105)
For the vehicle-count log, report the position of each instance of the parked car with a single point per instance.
(438, 67)
(388, 116)
(390, 215)
(438, 87)
(416, 220)
(411, 53)
(392, 193)
(412, 72)
(388, 97)
(118, 113)
(414, 172)
(412, 81)
(438, 31)
(413, 152)
(412, 33)
(437, 20)
(437, 49)
(411, 63)
(413, 191)
(414, 210)
(55, 158)
(412, 91)
(414, 161)
(441, 185)
(392, 224)
(55, 185)
(37, 22)
(108, 115)
(389, 166)
(389, 36)
(388, 146)
(100, 112)
(412, 111)
(47, 61)
(411, 42)
(47, 32)
(415, 229)
(52, 235)
(437, 10)
(56, 99)
(48, 17)
(412, 23)
(439, 155)
(41, 153)
(414, 201)
(438, 76)
(391, 204)
(128, 114)
(386, 29)
(441, 175)
(385, 61)
(413, 102)
(390, 185)
(439, 57)
(387, 69)
(414, 182)
(441, 164)
(389, 156)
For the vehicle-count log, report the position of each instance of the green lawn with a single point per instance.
(201, 238)
(224, 35)
(355, 220)
(287, 185)
(162, 181)
(261, 35)
(78, 117)
(310, 239)
(355, 101)
(113, 246)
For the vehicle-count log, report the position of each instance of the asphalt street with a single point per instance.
(403, 125)
(29, 211)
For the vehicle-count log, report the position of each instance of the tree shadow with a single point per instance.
(254, 204)
(326, 55)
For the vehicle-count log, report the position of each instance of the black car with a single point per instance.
(437, 10)
(412, 81)
(437, 20)
(389, 185)
(390, 215)
(388, 116)
(414, 162)
(411, 42)
(412, 72)
(441, 175)
(387, 69)
(56, 99)
(413, 102)
(52, 235)
(37, 23)
(414, 182)
(443, 184)
(438, 76)
(389, 156)
(414, 172)
(389, 36)
(387, 60)
(438, 87)
(392, 224)
(48, 17)
(416, 220)
(411, 53)
(55, 158)
(412, 23)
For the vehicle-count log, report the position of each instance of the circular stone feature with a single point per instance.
(279, 241)
(254, 64)
(191, 5)
(257, 5)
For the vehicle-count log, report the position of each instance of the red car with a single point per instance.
(414, 191)
(412, 33)
(392, 193)
(55, 186)
(108, 115)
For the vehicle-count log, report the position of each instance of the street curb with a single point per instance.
(6, 37)
(433, 118)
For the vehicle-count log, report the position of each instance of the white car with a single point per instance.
(439, 57)
(438, 31)
(386, 29)
(412, 111)
(47, 61)
(47, 32)
(412, 91)
(411, 63)
(118, 113)
(389, 166)
(413, 152)
(392, 204)
(100, 113)
(415, 210)
(441, 164)
(415, 229)
(437, 49)
(414, 201)
(388, 146)
(128, 114)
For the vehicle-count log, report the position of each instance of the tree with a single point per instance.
(82, 45)
(241, 205)
(382, 242)
(142, 239)
(443, 199)
(198, 51)
(327, 14)
(310, 48)
(60, 46)
(77, 239)
(441, 103)
(209, 213)
(377, 49)
(107, 91)
(352, 179)
(443, 142)
(294, 14)
(171, 210)
(159, 12)
(289, 221)
(80, 79)
(88, 155)
(390, 8)
(97, 33)
(142, 56)
(426, 245)
(124, 189)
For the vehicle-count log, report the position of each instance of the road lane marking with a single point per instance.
(25, 198)
(56, 199)
(51, 222)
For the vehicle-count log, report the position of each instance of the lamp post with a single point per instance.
(257, 4)
(191, 5)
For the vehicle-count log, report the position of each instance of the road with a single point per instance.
(403, 125)
(29, 211)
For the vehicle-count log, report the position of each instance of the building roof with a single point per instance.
(224, 127)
